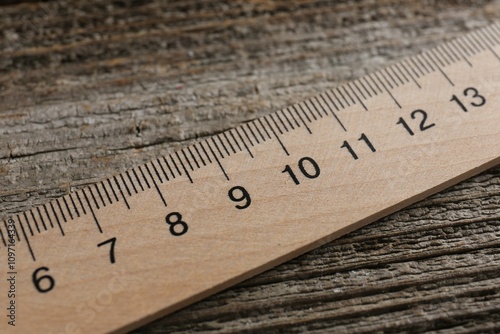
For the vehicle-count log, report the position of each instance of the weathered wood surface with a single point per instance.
(90, 88)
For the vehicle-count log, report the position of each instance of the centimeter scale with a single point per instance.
(143, 243)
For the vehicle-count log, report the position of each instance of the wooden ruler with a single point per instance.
(146, 242)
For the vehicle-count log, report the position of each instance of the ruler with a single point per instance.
(143, 243)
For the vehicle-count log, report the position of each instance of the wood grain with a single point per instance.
(103, 88)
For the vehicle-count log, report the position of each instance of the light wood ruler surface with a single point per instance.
(160, 236)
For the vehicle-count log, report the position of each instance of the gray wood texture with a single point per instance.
(90, 88)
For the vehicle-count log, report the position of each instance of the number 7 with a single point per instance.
(112, 249)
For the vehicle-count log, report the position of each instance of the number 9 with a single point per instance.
(244, 196)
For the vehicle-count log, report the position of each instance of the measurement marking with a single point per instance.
(478, 39)
(386, 89)
(490, 30)
(288, 121)
(303, 113)
(47, 214)
(360, 91)
(492, 35)
(67, 207)
(281, 121)
(215, 156)
(347, 104)
(263, 127)
(342, 96)
(113, 190)
(158, 161)
(100, 195)
(487, 41)
(93, 197)
(81, 203)
(56, 217)
(194, 159)
(467, 47)
(199, 154)
(244, 144)
(450, 52)
(404, 66)
(223, 146)
(251, 131)
(364, 87)
(463, 47)
(391, 78)
(287, 110)
(309, 109)
(144, 177)
(156, 171)
(293, 117)
(474, 42)
(156, 185)
(381, 72)
(332, 91)
(228, 142)
(234, 139)
(416, 64)
(125, 184)
(168, 166)
(308, 103)
(187, 159)
(175, 165)
(184, 167)
(34, 220)
(137, 178)
(204, 151)
(331, 110)
(275, 124)
(106, 192)
(275, 135)
(131, 182)
(399, 74)
(301, 119)
(413, 67)
(369, 76)
(461, 51)
(74, 206)
(41, 218)
(347, 93)
(436, 52)
(246, 135)
(31, 231)
(325, 106)
(365, 79)
(254, 123)
(357, 97)
(91, 209)
(437, 66)
(420, 58)
(26, 238)
(121, 192)
(447, 78)
(437, 56)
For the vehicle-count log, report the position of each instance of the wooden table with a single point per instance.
(91, 88)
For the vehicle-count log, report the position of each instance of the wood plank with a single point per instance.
(50, 105)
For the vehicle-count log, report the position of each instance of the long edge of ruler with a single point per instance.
(213, 150)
